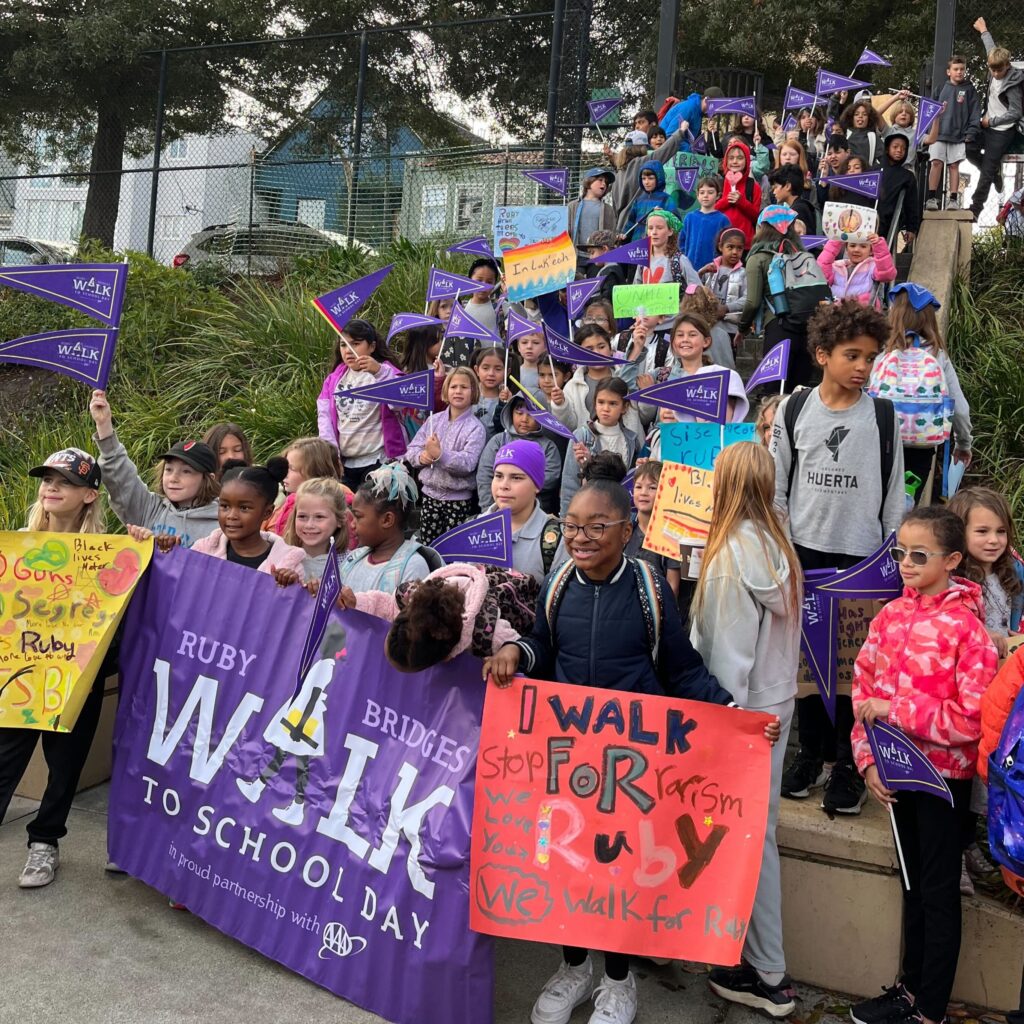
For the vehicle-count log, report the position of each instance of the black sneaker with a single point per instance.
(891, 1006)
(997, 180)
(744, 985)
(804, 774)
(845, 791)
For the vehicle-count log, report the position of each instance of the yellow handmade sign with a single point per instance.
(62, 596)
(682, 509)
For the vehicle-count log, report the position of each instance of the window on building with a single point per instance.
(434, 210)
(469, 208)
(178, 149)
(172, 225)
(56, 220)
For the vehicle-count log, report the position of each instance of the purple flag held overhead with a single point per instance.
(486, 539)
(407, 321)
(866, 184)
(828, 82)
(462, 325)
(926, 117)
(870, 57)
(82, 353)
(340, 305)
(819, 624)
(637, 253)
(323, 606)
(578, 293)
(796, 98)
(790, 124)
(704, 395)
(600, 109)
(478, 246)
(554, 178)
(687, 177)
(443, 284)
(874, 577)
(733, 105)
(629, 480)
(900, 763)
(93, 288)
(410, 391)
(813, 241)
(517, 325)
(773, 367)
(570, 352)
(700, 145)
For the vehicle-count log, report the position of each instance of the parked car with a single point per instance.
(262, 250)
(19, 251)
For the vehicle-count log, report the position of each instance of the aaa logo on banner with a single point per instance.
(61, 598)
(625, 822)
(539, 268)
(327, 828)
(682, 509)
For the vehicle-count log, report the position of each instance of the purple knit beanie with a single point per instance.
(525, 455)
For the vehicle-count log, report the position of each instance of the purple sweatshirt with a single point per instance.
(453, 476)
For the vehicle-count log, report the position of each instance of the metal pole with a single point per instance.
(945, 28)
(357, 136)
(554, 75)
(158, 141)
(252, 194)
(665, 71)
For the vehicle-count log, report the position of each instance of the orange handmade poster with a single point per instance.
(682, 509)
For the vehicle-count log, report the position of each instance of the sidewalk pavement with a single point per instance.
(94, 948)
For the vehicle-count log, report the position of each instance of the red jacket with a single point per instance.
(931, 657)
(996, 705)
(744, 212)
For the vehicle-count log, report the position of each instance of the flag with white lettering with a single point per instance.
(686, 177)
(339, 306)
(82, 353)
(828, 82)
(704, 395)
(926, 118)
(637, 253)
(554, 178)
(733, 105)
(486, 540)
(409, 391)
(773, 367)
(600, 109)
(870, 57)
(408, 321)
(901, 764)
(462, 325)
(867, 184)
(796, 98)
(478, 246)
(443, 284)
(323, 604)
(93, 288)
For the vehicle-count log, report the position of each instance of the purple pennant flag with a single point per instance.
(516, 325)
(866, 184)
(478, 246)
(340, 305)
(797, 98)
(773, 367)
(733, 105)
(813, 241)
(818, 628)
(93, 288)
(900, 763)
(870, 57)
(700, 145)
(600, 109)
(486, 539)
(637, 253)
(704, 395)
(629, 480)
(554, 178)
(829, 82)
(926, 117)
(577, 294)
(549, 422)
(687, 177)
(462, 325)
(829, 126)
(876, 576)
(790, 124)
(570, 352)
(407, 321)
(326, 595)
(82, 353)
(443, 284)
(410, 391)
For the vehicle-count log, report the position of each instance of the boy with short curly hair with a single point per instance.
(839, 479)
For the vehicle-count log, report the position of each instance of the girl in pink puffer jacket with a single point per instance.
(866, 264)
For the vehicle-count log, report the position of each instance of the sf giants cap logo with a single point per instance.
(188, 445)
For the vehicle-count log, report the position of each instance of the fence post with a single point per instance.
(158, 141)
(357, 137)
(252, 195)
(665, 70)
(945, 28)
(554, 76)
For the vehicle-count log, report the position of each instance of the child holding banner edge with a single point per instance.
(924, 668)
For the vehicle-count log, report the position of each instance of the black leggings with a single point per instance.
(301, 771)
(801, 371)
(616, 965)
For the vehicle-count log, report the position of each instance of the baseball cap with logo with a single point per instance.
(196, 454)
(76, 466)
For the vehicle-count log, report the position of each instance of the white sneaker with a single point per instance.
(566, 989)
(953, 203)
(614, 1001)
(292, 814)
(251, 790)
(931, 204)
(41, 866)
(966, 885)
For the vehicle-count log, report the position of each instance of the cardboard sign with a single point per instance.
(698, 444)
(618, 821)
(516, 226)
(853, 623)
(682, 509)
(62, 596)
(632, 300)
(539, 268)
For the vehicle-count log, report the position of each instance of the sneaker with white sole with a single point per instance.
(805, 773)
(953, 203)
(931, 204)
(566, 989)
(41, 866)
(893, 1006)
(745, 986)
(615, 1001)
(845, 791)
(977, 863)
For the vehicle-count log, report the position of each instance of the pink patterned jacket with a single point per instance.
(932, 659)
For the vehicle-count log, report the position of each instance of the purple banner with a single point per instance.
(328, 831)
(570, 352)
(516, 326)
(600, 109)
(686, 177)
(900, 763)
(478, 246)
(818, 627)
(554, 178)
(637, 253)
(549, 422)
(733, 105)
(323, 605)
(93, 288)
(828, 82)
(790, 124)
(407, 321)
(700, 145)
(410, 391)
(82, 353)
(870, 57)
(486, 540)
(705, 395)
(773, 367)
(813, 241)
(866, 184)
(797, 98)
(340, 305)
(874, 577)
(443, 284)
(926, 117)
(462, 325)
(578, 293)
